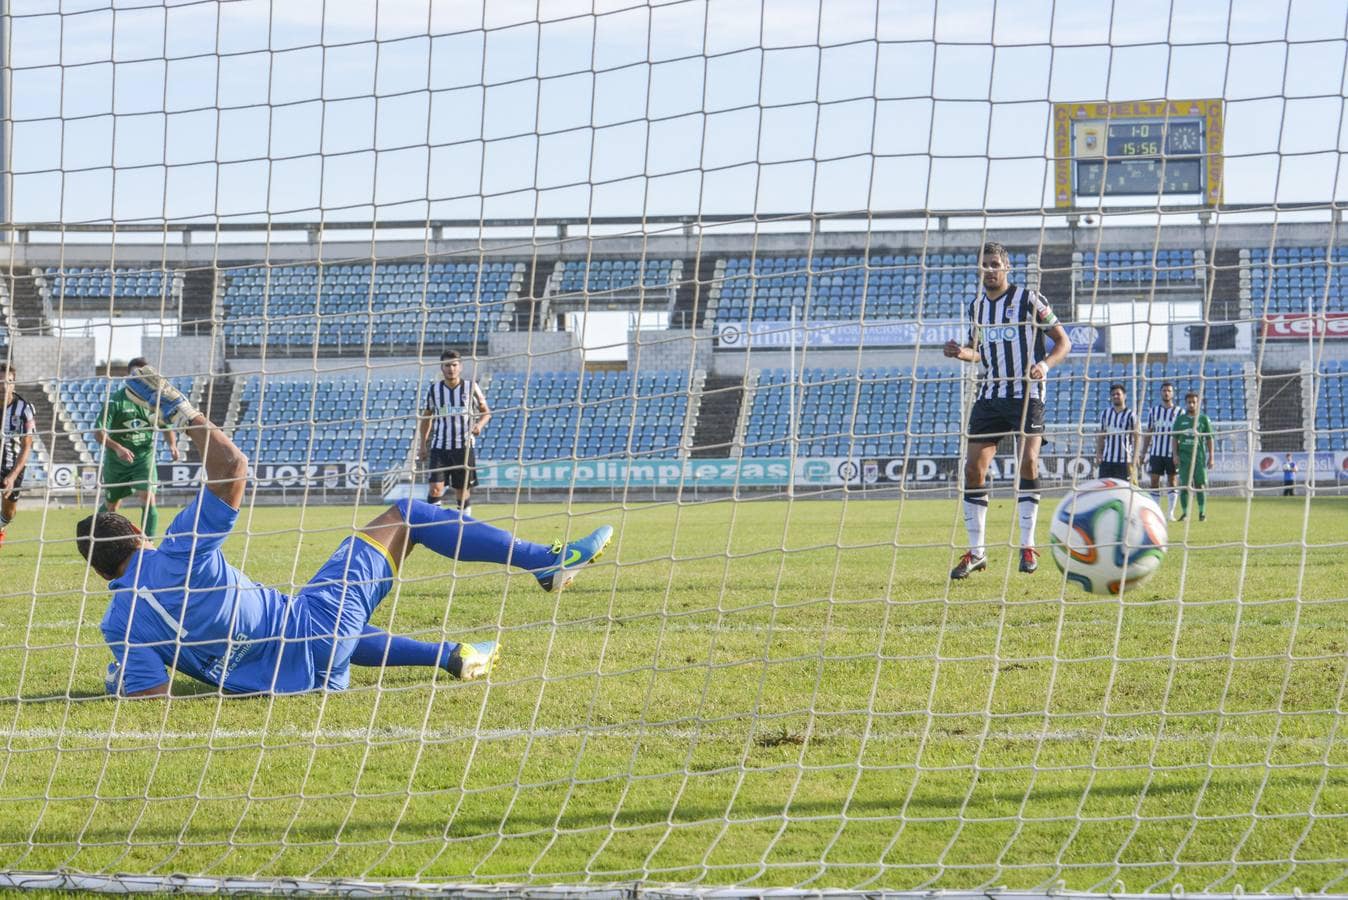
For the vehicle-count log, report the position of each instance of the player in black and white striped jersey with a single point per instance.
(1160, 446)
(18, 424)
(1008, 327)
(1120, 437)
(453, 413)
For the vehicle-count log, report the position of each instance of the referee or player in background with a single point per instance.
(453, 413)
(1119, 439)
(1160, 449)
(1008, 325)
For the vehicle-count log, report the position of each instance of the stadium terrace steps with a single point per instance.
(61, 445)
(1055, 281)
(1224, 286)
(198, 309)
(215, 402)
(691, 294)
(714, 434)
(1280, 411)
(26, 303)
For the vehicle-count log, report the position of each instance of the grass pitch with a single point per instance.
(758, 693)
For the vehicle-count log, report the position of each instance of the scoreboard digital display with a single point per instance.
(1146, 148)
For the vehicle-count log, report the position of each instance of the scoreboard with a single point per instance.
(1137, 149)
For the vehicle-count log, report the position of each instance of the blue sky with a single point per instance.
(404, 109)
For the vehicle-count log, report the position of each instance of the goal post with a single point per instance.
(703, 260)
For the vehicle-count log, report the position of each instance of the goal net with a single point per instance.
(701, 262)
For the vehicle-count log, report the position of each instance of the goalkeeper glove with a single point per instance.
(156, 394)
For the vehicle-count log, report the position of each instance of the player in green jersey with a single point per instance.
(126, 433)
(1194, 452)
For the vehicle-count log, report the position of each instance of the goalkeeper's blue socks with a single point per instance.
(456, 536)
(377, 647)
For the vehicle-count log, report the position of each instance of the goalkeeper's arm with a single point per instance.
(225, 464)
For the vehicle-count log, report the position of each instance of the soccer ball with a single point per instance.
(1107, 537)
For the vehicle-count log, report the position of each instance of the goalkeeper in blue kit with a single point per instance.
(182, 607)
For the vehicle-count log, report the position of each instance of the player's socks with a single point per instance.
(1202, 504)
(1173, 496)
(450, 534)
(976, 519)
(377, 647)
(1027, 504)
(1184, 502)
(466, 509)
(151, 520)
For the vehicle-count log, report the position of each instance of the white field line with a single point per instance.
(382, 734)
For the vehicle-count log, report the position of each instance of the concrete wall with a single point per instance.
(674, 349)
(185, 355)
(738, 363)
(541, 351)
(39, 358)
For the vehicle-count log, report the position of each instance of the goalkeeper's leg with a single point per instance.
(453, 535)
(377, 648)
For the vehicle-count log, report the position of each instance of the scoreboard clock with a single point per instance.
(1138, 149)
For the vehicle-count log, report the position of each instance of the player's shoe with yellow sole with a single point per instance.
(472, 661)
(572, 557)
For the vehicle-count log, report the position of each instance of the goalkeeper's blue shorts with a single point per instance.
(338, 602)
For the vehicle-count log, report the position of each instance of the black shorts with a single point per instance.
(1161, 465)
(13, 495)
(459, 464)
(992, 420)
(1114, 470)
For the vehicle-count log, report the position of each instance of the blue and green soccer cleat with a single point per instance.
(470, 661)
(572, 557)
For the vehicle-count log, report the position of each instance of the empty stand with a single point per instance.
(1140, 267)
(617, 276)
(328, 419)
(879, 412)
(560, 415)
(1297, 279)
(384, 305)
(882, 287)
(1331, 406)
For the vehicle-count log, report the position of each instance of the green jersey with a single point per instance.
(1189, 431)
(127, 424)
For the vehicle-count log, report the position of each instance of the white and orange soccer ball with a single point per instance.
(1107, 537)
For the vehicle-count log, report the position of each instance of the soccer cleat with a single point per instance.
(156, 394)
(1029, 560)
(967, 565)
(1202, 517)
(472, 661)
(572, 557)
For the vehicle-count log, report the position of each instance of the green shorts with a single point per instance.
(1191, 473)
(121, 480)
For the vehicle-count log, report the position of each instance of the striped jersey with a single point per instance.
(1009, 335)
(1161, 425)
(1117, 425)
(17, 421)
(452, 412)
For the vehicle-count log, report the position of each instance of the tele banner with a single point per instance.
(1302, 326)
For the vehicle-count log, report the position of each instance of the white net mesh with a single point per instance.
(702, 259)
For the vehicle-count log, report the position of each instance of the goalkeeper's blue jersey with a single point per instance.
(183, 607)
